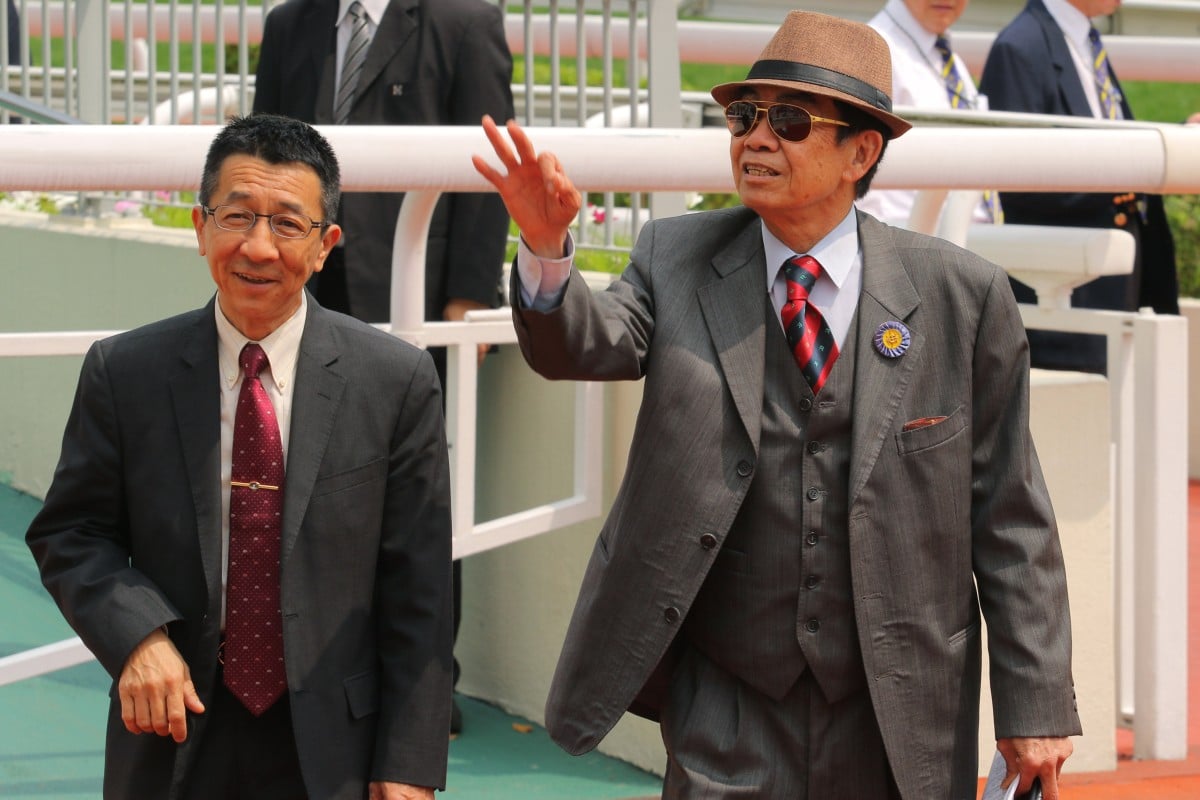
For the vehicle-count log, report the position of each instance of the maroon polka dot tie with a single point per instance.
(254, 669)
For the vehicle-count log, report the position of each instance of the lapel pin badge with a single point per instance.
(397, 89)
(892, 339)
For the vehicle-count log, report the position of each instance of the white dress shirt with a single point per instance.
(1075, 26)
(282, 347)
(374, 9)
(916, 81)
(543, 280)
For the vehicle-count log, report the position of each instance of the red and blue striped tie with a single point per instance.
(808, 335)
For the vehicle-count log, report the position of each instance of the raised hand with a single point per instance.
(540, 197)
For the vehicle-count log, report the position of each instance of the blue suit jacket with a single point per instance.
(1029, 69)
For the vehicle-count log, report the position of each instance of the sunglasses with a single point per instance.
(788, 122)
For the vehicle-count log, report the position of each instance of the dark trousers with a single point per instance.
(727, 741)
(243, 757)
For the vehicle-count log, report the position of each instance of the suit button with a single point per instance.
(708, 541)
(811, 539)
(811, 582)
(813, 493)
(805, 404)
(745, 468)
(671, 614)
(815, 447)
(813, 625)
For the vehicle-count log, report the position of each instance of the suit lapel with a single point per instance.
(196, 398)
(399, 23)
(1065, 73)
(880, 383)
(316, 396)
(733, 311)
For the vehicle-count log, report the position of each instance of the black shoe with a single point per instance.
(455, 718)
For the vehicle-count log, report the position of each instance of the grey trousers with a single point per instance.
(727, 741)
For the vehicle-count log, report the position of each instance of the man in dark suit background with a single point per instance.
(831, 472)
(429, 62)
(1043, 62)
(142, 535)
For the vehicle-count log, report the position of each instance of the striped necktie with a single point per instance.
(956, 91)
(1110, 95)
(955, 85)
(808, 335)
(352, 64)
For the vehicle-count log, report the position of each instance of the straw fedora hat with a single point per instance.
(829, 56)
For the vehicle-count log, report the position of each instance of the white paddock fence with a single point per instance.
(1147, 384)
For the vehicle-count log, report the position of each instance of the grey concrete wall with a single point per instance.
(60, 275)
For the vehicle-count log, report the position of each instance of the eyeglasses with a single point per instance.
(239, 220)
(788, 122)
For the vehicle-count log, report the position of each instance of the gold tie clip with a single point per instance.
(254, 486)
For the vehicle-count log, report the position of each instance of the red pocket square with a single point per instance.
(923, 422)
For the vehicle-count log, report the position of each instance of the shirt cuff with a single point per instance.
(543, 280)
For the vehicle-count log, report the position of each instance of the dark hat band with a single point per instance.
(820, 76)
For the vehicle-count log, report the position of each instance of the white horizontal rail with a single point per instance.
(40, 660)
(1138, 157)
(1141, 58)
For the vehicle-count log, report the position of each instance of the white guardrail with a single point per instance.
(1149, 388)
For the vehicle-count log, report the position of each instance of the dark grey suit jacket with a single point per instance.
(130, 539)
(933, 511)
(431, 62)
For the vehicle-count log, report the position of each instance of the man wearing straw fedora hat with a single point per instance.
(831, 472)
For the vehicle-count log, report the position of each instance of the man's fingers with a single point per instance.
(487, 171)
(176, 717)
(503, 151)
(129, 712)
(191, 699)
(521, 142)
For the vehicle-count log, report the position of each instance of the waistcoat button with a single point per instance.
(671, 614)
(813, 493)
(745, 468)
(813, 625)
(805, 404)
(708, 541)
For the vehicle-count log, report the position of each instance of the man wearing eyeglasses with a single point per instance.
(249, 524)
(832, 453)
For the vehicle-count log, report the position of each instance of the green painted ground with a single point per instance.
(52, 736)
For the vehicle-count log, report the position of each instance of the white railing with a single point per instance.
(1144, 158)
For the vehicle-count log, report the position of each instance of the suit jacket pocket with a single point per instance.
(329, 484)
(923, 438)
(362, 693)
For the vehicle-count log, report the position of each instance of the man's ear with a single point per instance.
(868, 146)
(198, 216)
(328, 239)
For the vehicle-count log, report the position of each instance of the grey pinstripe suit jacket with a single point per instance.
(934, 512)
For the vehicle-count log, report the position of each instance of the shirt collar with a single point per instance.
(924, 39)
(1071, 21)
(282, 346)
(836, 252)
(374, 9)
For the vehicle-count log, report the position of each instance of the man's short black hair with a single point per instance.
(276, 140)
(861, 121)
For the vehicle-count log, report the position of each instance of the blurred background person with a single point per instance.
(926, 74)
(1051, 60)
